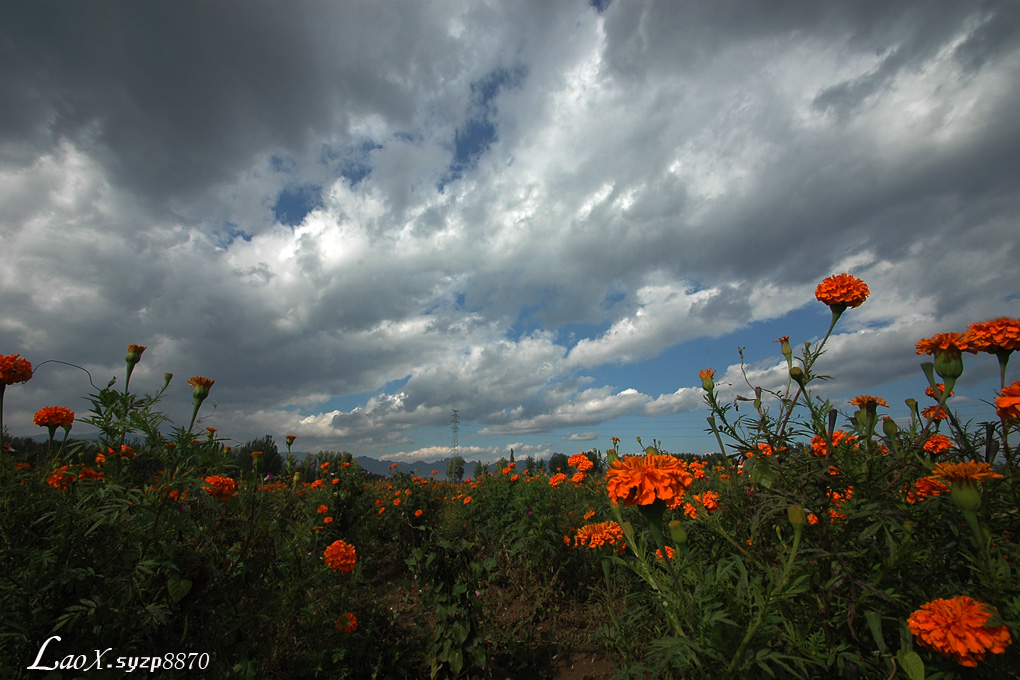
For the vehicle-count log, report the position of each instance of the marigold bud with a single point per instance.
(798, 375)
(949, 366)
(677, 532)
(134, 354)
(889, 427)
(796, 515)
(966, 496)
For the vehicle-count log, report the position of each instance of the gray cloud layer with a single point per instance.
(500, 198)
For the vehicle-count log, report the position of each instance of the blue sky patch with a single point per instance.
(295, 202)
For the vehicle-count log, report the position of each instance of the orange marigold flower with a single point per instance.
(670, 553)
(640, 480)
(938, 443)
(588, 515)
(340, 556)
(348, 623)
(327, 520)
(968, 472)
(578, 477)
(396, 501)
(842, 291)
(838, 437)
(61, 478)
(467, 499)
(931, 393)
(581, 462)
(317, 484)
(100, 458)
(710, 499)
(557, 479)
(290, 438)
(54, 417)
(763, 448)
(943, 342)
(994, 336)
(89, 473)
(957, 628)
(14, 369)
(322, 509)
(417, 513)
(925, 489)
(706, 373)
(1007, 404)
(935, 413)
(599, 534)
(222, 487)
(862, 400)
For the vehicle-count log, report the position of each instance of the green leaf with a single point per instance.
(178, 587)
(761, 473)
(911, 664)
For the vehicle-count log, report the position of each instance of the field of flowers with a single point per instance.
(821, 541)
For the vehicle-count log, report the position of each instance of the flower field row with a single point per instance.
(818, 542)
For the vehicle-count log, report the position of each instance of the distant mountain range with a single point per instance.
(417, 468)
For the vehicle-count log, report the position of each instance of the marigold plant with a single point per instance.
(957, 627)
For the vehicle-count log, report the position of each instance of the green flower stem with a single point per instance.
(738, 655)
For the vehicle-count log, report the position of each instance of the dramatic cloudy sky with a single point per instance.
(358, 216)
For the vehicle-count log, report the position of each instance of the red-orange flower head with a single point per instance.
(595, 536)
(941, 390)
(557, 479)
(61, 478)
(838, 436)
(14, 369)
(937, 443)
(1007, 404)
(998, 335)
(222, 487)
(862, 400)
(54, 417)
(925, 489)
(945, 342)
(957, 627)
(967, 472)
(340, 556)
(348, 623)
(581, 462)
(842, 291)
(641, 480)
